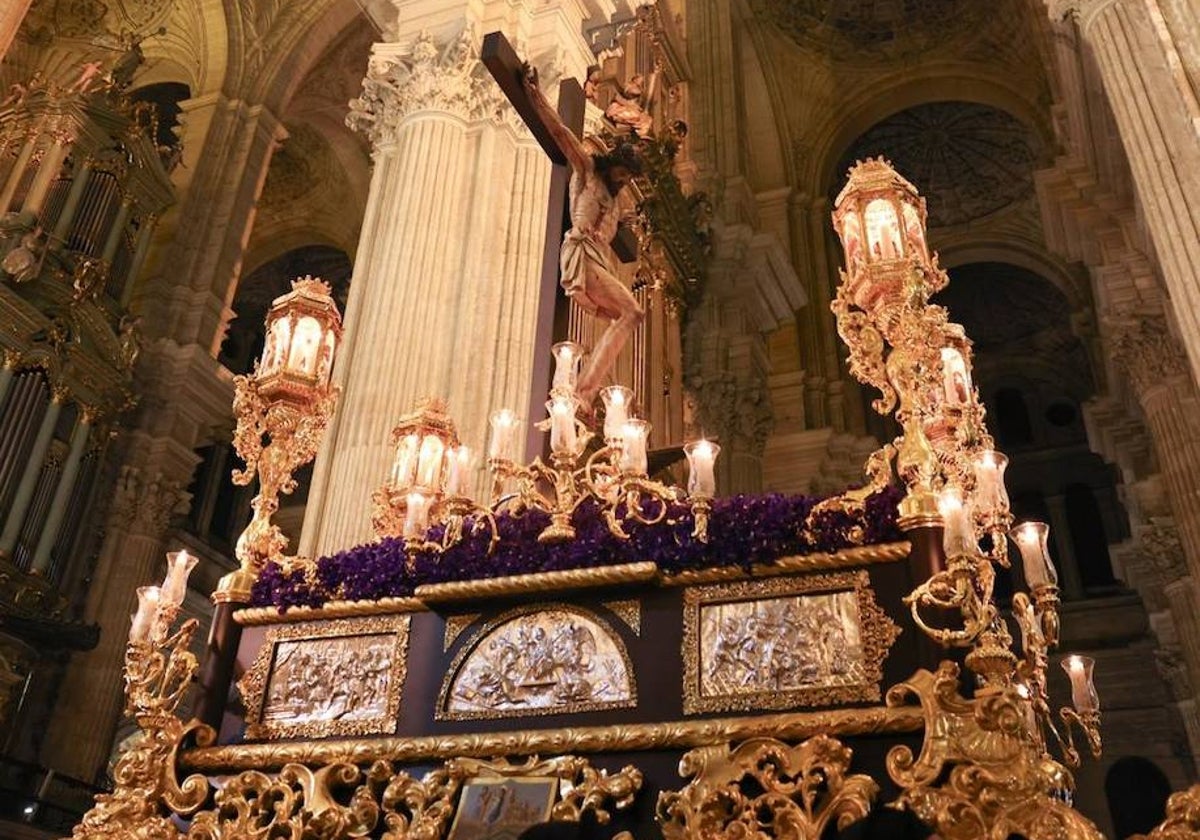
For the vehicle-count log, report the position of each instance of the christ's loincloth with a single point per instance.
(581, 254)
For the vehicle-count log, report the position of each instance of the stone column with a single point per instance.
(62, 225)
(444, 297)
(33, 468)
(1158, 116)
(11, 16)
(79, 737)
(18, 170)
(48, 170)
(113, 241)
(1158, 371)
(62, 493)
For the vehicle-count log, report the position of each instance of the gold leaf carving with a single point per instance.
(766, 788)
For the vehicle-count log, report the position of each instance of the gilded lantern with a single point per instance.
(303, 329)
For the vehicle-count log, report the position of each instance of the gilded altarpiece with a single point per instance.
(783, 643)
(323, 678)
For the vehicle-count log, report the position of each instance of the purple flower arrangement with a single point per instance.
(743, 530)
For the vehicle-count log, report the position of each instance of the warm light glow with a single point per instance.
(302, 355)
(429, 463)
(404, 466)
(1083, 690)
(633, 454)
(1032, 541)
(504, 435)
(959, 535)
(147, 611)
(617, 399)
(991, 497)
(567, 356)
(562, 425)
(956, 381)
(701, 455)
(179, 567)
(416, 516)
(883, 230)
(459, 462)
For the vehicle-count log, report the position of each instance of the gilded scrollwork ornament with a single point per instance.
(766, 788)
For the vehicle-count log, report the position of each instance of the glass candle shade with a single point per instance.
(990, 495)
(143, 620)
(505, 426)
(617, 399)
(1083, 690)
(1031, 539)
(307, 342)
(460, 460)
(404, 466)
(701, 456)
(633, 453)
(416, 516)
(179, 567)
(567, 357)
(429, 463)
(956, 381)
(562, 424)
(959, 536)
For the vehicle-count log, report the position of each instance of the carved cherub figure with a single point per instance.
(88, 74)
(88, 279)
(627, 109)
(131, 343)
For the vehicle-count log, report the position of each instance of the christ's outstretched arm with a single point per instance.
(566, 140)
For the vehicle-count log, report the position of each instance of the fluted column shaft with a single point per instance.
(1159, 121)
(11, 15)
(52, 162)
(18, 171)
(29, 478)
(1175, 431)
(62, 494)
(445, 292)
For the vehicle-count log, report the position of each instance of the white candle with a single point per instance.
(429, 463)
(1083, 689)
(616, 410)
(701, 455)
(504, 435)
(405, 464)
(958, 537)
(179, 566)
(416, 516)
(990, 494)
(458, 469)
(1032, 541)
(567, 355)
(147, 611)
(562, 425)
(633, 454)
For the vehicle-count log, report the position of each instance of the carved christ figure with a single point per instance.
(587, 260)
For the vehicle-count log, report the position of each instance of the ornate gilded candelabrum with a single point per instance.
(614, 475)
(430, 481)
(985, 769)
(159, 670)
(287, 401)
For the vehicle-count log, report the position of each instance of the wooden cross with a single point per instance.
(506, 67)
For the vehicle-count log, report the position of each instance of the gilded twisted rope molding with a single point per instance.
(684, 734)
(438, 593)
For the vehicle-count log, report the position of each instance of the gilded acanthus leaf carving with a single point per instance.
(794, 792)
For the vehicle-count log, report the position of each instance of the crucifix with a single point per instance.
(582, 235)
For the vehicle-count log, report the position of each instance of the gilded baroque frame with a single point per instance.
(876, 630)
(255, 683)
(442, 712)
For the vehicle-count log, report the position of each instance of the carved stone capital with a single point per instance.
(428, 76)
(1083, 11)
(142, 504)
(1142, 345)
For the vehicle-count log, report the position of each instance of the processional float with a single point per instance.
(570, 648)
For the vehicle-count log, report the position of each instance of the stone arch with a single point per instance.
(539, 660)
(1137, 791)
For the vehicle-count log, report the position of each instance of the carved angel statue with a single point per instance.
(628, 108)
(588, 263)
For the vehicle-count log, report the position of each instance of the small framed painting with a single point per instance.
(502, 808)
